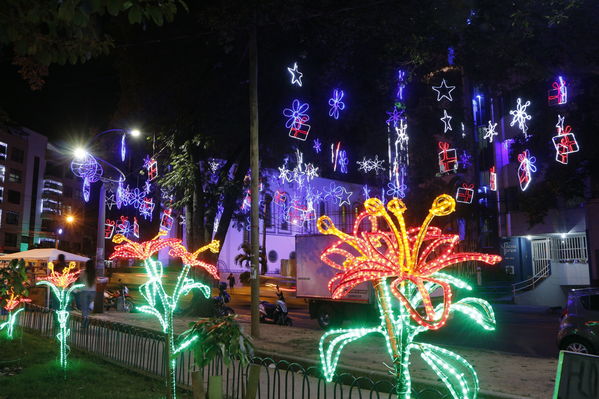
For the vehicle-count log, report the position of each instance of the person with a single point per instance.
(231, 279)
(88, 292)
(60, 264)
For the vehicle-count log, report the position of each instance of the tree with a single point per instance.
(40, 33)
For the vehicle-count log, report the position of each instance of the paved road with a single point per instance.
(529, 331)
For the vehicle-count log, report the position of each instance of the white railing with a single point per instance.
(535, 280)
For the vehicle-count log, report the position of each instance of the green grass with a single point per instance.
(85, 377)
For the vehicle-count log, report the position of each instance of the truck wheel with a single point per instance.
(327, 318)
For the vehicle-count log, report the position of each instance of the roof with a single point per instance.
(47, 254)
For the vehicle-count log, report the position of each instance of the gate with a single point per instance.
(541, 257)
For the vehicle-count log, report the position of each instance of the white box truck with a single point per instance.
(313, 276)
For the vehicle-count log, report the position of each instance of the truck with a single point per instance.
(313, 276)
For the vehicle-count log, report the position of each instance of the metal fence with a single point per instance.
(142, 350)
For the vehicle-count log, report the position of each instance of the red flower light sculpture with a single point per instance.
(381, 247)
(141, 250)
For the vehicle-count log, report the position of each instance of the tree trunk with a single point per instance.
(254, 165)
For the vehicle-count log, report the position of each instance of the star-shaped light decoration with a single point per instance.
(560, 123)
(446, 121)
(444, 91)
(109, 201)
(344, 196)
(520, 116)
(490, 132)
(296, 76)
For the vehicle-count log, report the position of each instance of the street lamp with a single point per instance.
(70, 219)
(90, 169)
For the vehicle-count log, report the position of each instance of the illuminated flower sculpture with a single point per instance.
(62, 286)
(11, 304)
(404, 264)
(160, 304)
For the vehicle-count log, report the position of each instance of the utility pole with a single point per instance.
(254, 188)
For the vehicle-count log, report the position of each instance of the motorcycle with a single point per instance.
(120, 300)
(220, 309)
(276, 312)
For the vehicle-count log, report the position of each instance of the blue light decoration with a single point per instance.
(336, 104)
(124, 227)
(297, 114)
(123, 147)
(146, 209)
(317, 146)
(366, 191)
(87, 168)
(343, 161)
(465, 159)
(446, 119)
(120, 193)
(397, 137)
(520, 116)
(558, 95)
(296, 76)
(136, 197)
(444, 91)
(394, 117)
(396, 190)
(526, 169)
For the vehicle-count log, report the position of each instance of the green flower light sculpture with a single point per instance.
(381, 250)
(11, 305)
(62, 286)
(160, 304)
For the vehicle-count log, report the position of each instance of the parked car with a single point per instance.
(579, 326)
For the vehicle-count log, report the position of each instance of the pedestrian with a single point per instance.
(88, 292)
(231, 279)
(60, 264)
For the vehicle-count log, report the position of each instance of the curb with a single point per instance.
(483, 394)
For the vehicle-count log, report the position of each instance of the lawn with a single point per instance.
(33, 361)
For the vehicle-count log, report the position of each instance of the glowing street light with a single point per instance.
(79, 153)
(135, 133)
(70, 219)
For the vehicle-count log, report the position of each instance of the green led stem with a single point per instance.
(164, 309)
(9, 324)
(64, 297)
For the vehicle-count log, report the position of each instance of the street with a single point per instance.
(529, 331)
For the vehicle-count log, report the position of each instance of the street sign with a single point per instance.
(577, 376)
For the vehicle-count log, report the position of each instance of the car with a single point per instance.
(579, 325)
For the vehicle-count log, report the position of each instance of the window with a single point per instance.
(10, 240)
(2, 173)
(590, 302)
(14, 197)
(17, 155)
(3, 150)
(14, 176)
(12, 217)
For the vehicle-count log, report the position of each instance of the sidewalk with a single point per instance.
(498, 372)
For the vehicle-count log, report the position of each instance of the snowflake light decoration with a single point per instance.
(317, 146)
(520, 116)
(296, 115)
(332, 191)
(296, 75)
(336, 104)
(396, 190)
(136, 197)
(213, 166)
(446, 119)
(124, 227)
(311, 171)
(146, 209)
(465, 159)
(444, 91)
(147, 187)
(490, 132)
(284, 174)
(365, 191)
(394, 117)
(343, 161)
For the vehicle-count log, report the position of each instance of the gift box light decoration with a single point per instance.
(296, 75)
(565, 143)
(404, 266)
(151, 166)
(166, 220)
(526, 169)
(62, 285)
(160, 304)
(520, 116)
(558, 95)
(11, 304)
(492, 179)
(465, 193)
(296, 120)
(448, 158)
(109, 227)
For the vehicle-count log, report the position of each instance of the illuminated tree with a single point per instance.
(381, 250)
(161, 304)
(13, 291)
(62, 285)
